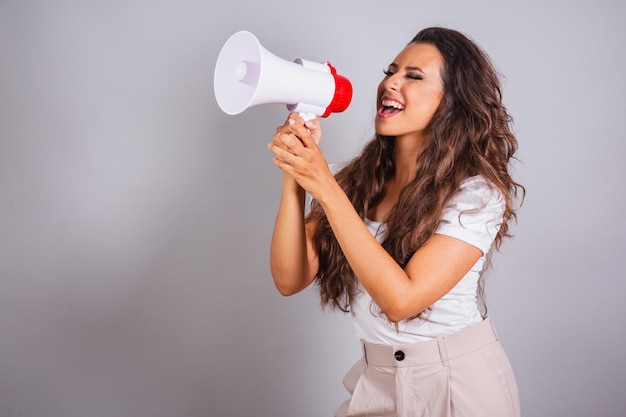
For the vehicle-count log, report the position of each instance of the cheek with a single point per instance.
(433, 102)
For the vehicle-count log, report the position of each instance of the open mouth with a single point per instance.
(390, 107)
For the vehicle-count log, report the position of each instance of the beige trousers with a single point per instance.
(465, 374)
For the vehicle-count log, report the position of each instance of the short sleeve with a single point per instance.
(474, 214)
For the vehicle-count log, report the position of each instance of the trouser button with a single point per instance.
(399, 355)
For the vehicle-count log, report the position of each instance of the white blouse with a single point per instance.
(472, 215)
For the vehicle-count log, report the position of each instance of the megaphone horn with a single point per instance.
(246, 74)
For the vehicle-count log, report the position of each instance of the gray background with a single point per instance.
(135, 216)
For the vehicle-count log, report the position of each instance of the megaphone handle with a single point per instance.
(308, 116)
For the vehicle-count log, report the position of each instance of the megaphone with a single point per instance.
(246, 74)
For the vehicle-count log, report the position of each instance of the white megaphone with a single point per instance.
(246, 74)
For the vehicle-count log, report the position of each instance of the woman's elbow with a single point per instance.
(286, 290)
(289, 280)
(288, 284)
(394, 316)
(399, 311)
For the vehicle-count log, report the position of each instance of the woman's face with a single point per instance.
(410, 93)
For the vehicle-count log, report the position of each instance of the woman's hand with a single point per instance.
(297, 152)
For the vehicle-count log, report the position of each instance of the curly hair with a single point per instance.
(470, 134)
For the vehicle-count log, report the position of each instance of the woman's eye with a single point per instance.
(388, 73)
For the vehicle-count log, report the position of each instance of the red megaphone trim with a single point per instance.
(343, 93)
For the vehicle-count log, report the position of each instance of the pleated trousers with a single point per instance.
(465, 374)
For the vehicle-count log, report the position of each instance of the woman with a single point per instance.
(401, 235)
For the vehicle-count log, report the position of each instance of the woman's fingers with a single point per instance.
(294, 136)
(281, 153)
(295, 147)
(313, 126)
(285, 145)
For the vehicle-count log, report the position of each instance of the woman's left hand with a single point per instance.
(297, 152)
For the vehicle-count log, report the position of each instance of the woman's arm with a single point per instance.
(293, 258)
(400, 293)
(432, 271)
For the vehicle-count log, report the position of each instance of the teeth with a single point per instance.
(392, 103)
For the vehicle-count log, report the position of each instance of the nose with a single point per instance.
(392, 83)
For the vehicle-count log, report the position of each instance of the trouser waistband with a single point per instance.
(441, 349)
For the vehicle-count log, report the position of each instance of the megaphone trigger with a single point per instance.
(246, 74)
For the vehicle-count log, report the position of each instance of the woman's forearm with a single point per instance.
(377, 271)
(290, 259)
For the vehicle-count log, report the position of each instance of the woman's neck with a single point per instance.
(406, 151)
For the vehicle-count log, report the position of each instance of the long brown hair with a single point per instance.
(469, 135)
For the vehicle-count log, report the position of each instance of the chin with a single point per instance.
(381, 131)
